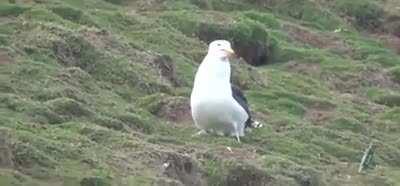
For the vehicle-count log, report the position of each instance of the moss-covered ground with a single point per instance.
(95, 92)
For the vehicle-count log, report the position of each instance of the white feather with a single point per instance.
(213, 106)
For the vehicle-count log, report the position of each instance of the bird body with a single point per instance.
(214, 108)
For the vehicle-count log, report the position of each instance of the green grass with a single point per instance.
(83, 88)
(367, 13)
(7, 9)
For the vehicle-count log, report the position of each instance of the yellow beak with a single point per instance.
(230, 52)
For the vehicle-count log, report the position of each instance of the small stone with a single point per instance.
(165, 165)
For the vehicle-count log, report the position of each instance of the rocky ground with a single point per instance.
(96, 92)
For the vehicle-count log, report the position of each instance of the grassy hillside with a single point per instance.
(96, 92)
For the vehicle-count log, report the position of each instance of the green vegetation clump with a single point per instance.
(7, 9)
(309, 13)
(367, 14)
(222, 5)
(395, 72)
(98, 181)
(72, 14)
(269, 20)
(384, 97)
(68, 107)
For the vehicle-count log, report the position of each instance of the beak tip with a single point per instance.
(232, 52)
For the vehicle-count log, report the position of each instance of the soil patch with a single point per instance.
(166, 69)
(6, 157)
(175, 109)
(318, 40)
(5, 58)
(310, 69)
(391, 41)
(246, 175)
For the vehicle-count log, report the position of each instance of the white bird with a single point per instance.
(216, 105)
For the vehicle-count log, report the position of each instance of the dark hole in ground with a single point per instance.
(254, 52)
(188, 167)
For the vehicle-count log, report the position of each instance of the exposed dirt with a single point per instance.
(305, 36)
(245, 175)
(318, 40)
(5, 58)
(319, 113)
(371, 107)
(103, 40)
(392, 25)
(391, 41)
(83, 49)
(149, 5)
(354, 82)
(311, 69)
(175, 109)
(66, 54)
(6, 157)
(166, 69)
(228, 153)
(182, 168)
(179, 168)
(378, 78)
(26, 1)
(318, 116)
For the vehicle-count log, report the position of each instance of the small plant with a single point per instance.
(366, 14)
(367, 160)
(395, 72)
(117, 2)
(12, 9)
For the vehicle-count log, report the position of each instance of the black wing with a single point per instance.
(239, 97)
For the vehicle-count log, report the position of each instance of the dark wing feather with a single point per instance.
(239, 97)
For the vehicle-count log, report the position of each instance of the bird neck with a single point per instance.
(217, 67)
(213, 78)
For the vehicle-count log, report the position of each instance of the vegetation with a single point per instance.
(96, 92)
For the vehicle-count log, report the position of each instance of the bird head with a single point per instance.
(221, 48)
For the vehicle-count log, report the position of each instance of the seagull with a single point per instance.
(217, 105)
